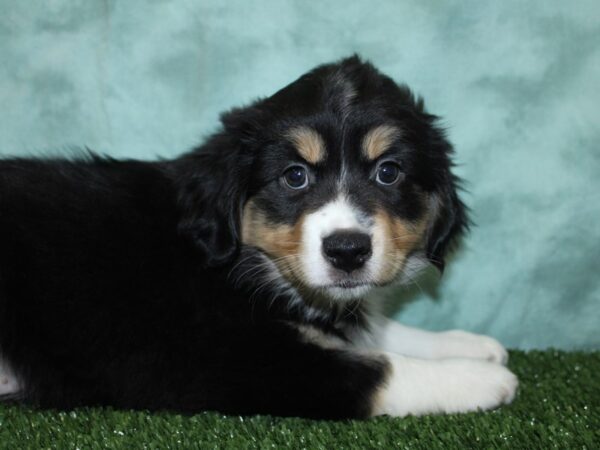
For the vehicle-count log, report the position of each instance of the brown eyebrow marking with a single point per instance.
(379, 139)
(308, 143)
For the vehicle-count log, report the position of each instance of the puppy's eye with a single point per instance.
(295, 177)
(388, 173)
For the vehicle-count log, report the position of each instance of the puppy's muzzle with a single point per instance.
(347, 250)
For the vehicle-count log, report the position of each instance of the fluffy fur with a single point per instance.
(210, 282)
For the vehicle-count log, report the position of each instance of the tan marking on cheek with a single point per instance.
(379, 139)
(308, 143)
(400, 238)
(281, 242)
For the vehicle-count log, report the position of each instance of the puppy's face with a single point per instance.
(349, 182)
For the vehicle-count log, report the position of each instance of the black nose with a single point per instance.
(347, 250)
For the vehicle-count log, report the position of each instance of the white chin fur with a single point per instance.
(344, 294)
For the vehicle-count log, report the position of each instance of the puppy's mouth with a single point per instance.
(349, 284)
(347, 289)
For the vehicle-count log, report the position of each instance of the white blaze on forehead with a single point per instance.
(336, 215)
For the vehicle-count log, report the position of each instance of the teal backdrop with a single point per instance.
(516, 82)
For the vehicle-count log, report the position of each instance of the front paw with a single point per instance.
(461, 344)
(478, 385)
(417, 387)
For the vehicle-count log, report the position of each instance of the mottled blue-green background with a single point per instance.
(517, 83)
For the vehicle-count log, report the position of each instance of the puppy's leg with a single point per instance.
(397, 338)
(320, 378)
(415, 386)
(311, 381)
(419, 386)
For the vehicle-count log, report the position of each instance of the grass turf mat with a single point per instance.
(558, 406)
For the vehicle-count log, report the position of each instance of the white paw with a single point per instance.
(419, 387)
(461, 344)
(473, 385)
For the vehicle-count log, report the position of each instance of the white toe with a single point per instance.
(461, 344)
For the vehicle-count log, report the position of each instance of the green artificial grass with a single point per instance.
(558, 406)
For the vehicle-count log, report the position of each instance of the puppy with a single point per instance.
(235, 277)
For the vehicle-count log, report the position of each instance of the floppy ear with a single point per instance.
(450, 218)
(212, 183)
(213, 180)
(450, 222)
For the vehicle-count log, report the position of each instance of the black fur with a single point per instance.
(116, 275)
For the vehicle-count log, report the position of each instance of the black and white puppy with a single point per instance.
(234, 278)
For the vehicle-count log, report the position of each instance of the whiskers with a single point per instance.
(352, 312)
(262, 276)
(402, 236)
(403, 272)
(258, 262)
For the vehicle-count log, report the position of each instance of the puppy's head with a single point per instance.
(342, 180)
